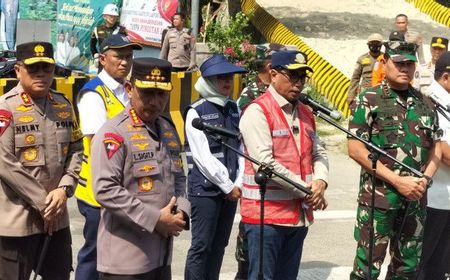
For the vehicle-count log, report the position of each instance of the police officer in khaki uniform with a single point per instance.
(362, 75)
(424, 75)
(139, 181)
(179, 45)
(40, 158)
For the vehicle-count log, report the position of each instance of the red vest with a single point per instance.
(280, 206)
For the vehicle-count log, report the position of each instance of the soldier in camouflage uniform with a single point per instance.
(258, 80)
(396, 118)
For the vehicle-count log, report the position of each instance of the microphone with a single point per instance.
(436, 100)
(211, 129)
(317, 107)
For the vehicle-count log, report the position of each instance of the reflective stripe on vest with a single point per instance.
(113, 107)
(280, 205)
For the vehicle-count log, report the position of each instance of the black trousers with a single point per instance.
(435, 261)
(160, 273)
(19, 256)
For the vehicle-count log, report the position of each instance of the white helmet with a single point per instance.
(111, 9)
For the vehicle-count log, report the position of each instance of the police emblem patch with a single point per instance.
(30, 154)
(30, 139)
(112, 143)
(5, 120)
(145, 184)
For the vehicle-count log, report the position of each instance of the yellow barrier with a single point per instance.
(437, 11)
(182, 95)
(326, 78)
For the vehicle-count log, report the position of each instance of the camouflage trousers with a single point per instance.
(405, 249)
(242, 254)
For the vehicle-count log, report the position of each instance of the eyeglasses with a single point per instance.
(40, 66)
(294, 76)
(225, 77)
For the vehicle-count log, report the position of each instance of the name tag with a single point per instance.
(210, 116)
(280, 133)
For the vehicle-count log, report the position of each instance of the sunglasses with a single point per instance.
(294, 76)
(40, 66)
(225, 77)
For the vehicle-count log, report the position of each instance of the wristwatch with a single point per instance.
(429, 180)
(68, 189)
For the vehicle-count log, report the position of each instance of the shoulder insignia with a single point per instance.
(145, 184)
(23, 108)
(26, 119)
(365, 61)
(64, 115)
(138, 136)
(26, 100)
(112, 143)
(141, 146)
(134, 118)
(146, 168)
(5, 120)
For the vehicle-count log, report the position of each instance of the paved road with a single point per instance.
(329, 246)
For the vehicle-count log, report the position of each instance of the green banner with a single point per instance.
(75, 21)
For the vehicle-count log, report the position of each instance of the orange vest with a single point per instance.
(378, 71)
(280, 206)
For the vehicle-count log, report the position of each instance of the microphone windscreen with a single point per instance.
(197, 123)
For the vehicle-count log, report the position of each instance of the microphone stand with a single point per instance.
(264, 173)
(441, 109)
(375, 154)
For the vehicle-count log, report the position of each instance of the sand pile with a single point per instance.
(338, 30)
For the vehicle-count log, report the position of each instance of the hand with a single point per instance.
(235, 194)
(411, 187)
(56, 202)
(170, 224)
(317, 199)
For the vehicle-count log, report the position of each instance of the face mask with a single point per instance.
(375, 48)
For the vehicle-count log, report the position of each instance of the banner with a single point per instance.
(76, 20)
(145, 20)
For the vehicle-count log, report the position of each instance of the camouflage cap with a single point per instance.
(400, 51)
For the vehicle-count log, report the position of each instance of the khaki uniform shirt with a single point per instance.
(136, 170)
(179, 48)
(362, 75)
(423, 77)
(258, 142)
(40, 150)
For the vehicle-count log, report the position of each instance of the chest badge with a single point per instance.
(30, 154)
(141, 146)
(146, 168)
(63, 115)
(30, 139)
(145, 184)
(26, 119)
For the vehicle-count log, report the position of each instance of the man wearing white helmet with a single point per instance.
(109, 27)
(362, 75)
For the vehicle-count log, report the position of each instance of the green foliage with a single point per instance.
(231, 40)
(38, 9)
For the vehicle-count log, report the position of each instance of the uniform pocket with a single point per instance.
(30, 149)
(63, 141)
(147, 175)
